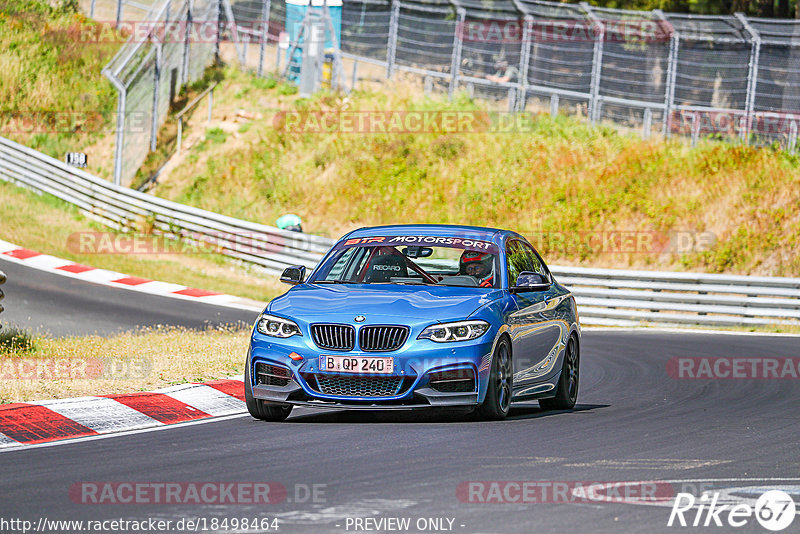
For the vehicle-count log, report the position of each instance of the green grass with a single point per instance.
(48, 225)
(216, 135)
(15, 341)
(142, 360)
(47, 68)
(559, 177)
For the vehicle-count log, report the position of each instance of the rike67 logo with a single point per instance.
(774, 510)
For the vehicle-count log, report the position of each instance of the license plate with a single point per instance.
(357, 364)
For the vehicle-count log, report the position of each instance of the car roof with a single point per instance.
(494, 235)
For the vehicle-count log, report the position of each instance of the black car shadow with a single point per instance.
(520, 412)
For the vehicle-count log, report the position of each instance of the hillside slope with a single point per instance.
(584, 196)
(53, 96)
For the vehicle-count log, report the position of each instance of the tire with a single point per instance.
(567, 392)
(497, 403)
(260, 409)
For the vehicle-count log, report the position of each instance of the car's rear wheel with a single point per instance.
(501, 380)
(567, 392)
(260, 409)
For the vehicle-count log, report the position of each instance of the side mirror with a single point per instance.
(530, 281)
(294, 275)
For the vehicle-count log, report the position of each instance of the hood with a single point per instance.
(379, 303)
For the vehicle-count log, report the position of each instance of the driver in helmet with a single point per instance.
(479, 265)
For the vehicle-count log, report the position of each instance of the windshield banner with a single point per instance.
(416, 240)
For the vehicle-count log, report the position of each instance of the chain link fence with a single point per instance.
(723, 76)
(170, 46)
(726, 76)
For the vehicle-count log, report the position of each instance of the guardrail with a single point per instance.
(129, 210)
(605, 296)
(622, 298)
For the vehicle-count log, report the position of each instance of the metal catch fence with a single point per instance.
(724, 76)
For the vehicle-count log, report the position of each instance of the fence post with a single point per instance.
(121, 103)
(458, 41)
(597, 63)
(219, 31)
(792, 136)
(355, 75)
(91, 9)
(156, 84)
(647, 123)
(524, 60)
(264, 35)
(752, 75)
(669, 79)
(237, 42)
(157, 75)
(187, 43)
(180, 134)
(669, 99)
(119, 11)
(391, 47)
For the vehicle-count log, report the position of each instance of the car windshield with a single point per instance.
(444, 261)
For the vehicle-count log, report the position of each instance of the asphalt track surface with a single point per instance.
(58, 305)
(632, 423)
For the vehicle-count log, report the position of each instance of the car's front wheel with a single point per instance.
(260, 409)
(501, 380)
(567, 393)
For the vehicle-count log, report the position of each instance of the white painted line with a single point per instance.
(102, 276)
(43, 261)
(100, 414)
(106, 278)
(218, 299)
(208, 399)
(159, 288)
(5, 441)
(24, 447)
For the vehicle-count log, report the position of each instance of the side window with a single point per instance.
(518, 260)
(537, 265)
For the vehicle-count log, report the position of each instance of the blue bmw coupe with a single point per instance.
(417, 316)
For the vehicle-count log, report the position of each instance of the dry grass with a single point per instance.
(561, 176)
(44, 223)
(140, 361)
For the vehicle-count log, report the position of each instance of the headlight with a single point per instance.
(269, 325)
(460, 331)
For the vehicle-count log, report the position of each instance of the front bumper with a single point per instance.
(421, 372)
(270, 393)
